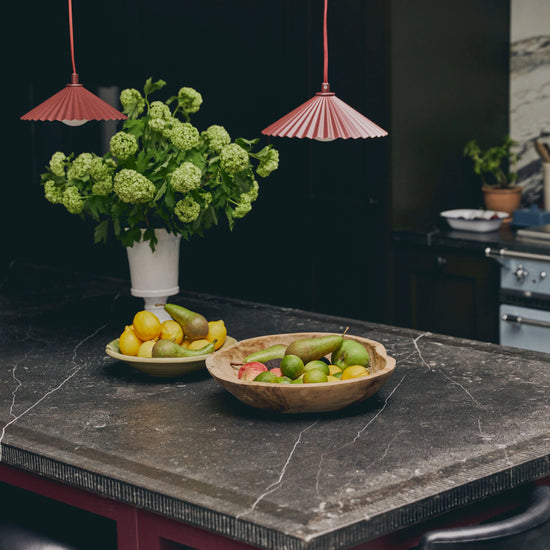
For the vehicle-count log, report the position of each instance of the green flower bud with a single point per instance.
(132, 102)
(184, 136)
(269, 164)
(217, 137)
(133, 187)
(187, 210)
(123, 145)
(186, 177)
(189, 100)
(53, 193)
(233, 158)
(57, 164)
(72, 200)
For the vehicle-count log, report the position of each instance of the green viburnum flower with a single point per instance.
(123, 145)
(80, 168)
(233, 158)
(243, 207)
(184, 136)
(189, 100)
(186, 177)
(253, 193)
(53, 193)
(187, 210)
(132, 102)
(57, 164)
(158, 109)
(160, 125)
(206, 196)
(72, 200)
(269, 164)
(133, 187)
(217, 137)
(103, 187)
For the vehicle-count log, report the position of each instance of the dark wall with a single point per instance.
(319, 235)
(450, 84)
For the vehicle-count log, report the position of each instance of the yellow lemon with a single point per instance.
(146, 325)
(355, 371)
(185, 343)
(331, 378)
(333, 369)
(128, 342)
(146, 349)
(171, 330)
(198, 344)
(218, 332)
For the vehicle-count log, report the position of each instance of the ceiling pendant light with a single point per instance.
(324, 117)
(74, 105)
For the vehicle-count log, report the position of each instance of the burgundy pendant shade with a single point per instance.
(74, 104)
(324, 117)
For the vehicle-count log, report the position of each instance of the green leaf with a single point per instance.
(160, 192)
(101, 231)
(151, 87)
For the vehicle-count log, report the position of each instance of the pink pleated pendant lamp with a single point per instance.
(324, 117)
(74, 105)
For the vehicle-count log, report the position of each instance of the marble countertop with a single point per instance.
(457, 422)
(440, 235)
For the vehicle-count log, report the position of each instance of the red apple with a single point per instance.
(277, 372)
(249, 371)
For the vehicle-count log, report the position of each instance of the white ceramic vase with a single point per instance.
(155, 275)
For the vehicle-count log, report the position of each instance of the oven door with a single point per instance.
(524, 327)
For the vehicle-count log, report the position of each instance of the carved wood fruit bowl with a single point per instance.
(298, 398)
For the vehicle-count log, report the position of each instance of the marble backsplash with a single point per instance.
(530, 91)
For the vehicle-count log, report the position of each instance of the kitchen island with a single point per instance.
(180, 463)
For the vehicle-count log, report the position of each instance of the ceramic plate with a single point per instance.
(172, 366)
(481, 221)
(298, 398)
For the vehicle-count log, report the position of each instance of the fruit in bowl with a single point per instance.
(187, 334)
(312, 390)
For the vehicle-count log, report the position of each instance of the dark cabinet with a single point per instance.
(446, 291)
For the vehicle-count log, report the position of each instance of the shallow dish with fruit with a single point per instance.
(297, 398)
(163, 366)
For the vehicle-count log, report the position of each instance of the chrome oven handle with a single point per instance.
(524, 321)
(505, 253)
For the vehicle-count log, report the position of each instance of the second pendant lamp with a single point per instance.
(324, 117)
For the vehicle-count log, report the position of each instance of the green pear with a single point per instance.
(311, 349)
(349, 353)
(169, 348)
(274, 352)
(194, 325)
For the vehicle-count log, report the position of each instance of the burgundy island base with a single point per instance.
(101, 455)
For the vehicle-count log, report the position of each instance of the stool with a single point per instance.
(528, 530)
(16, 537)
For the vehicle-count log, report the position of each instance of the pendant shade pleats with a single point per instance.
(74, 105)
(324, 117)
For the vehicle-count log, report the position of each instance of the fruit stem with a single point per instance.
(344, 333)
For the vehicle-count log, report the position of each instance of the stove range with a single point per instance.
(525, 290)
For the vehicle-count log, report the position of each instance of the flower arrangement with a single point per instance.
(499, 162)
(160, 172)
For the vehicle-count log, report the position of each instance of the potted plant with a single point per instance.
(162, 178)
(497, 168)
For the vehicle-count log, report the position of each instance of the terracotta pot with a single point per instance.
(502, 200)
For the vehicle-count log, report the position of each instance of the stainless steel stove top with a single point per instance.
(539, 234)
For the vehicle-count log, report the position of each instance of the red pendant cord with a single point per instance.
(71, 34)
(325, 44)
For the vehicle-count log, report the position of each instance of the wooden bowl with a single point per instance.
(298, 398)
